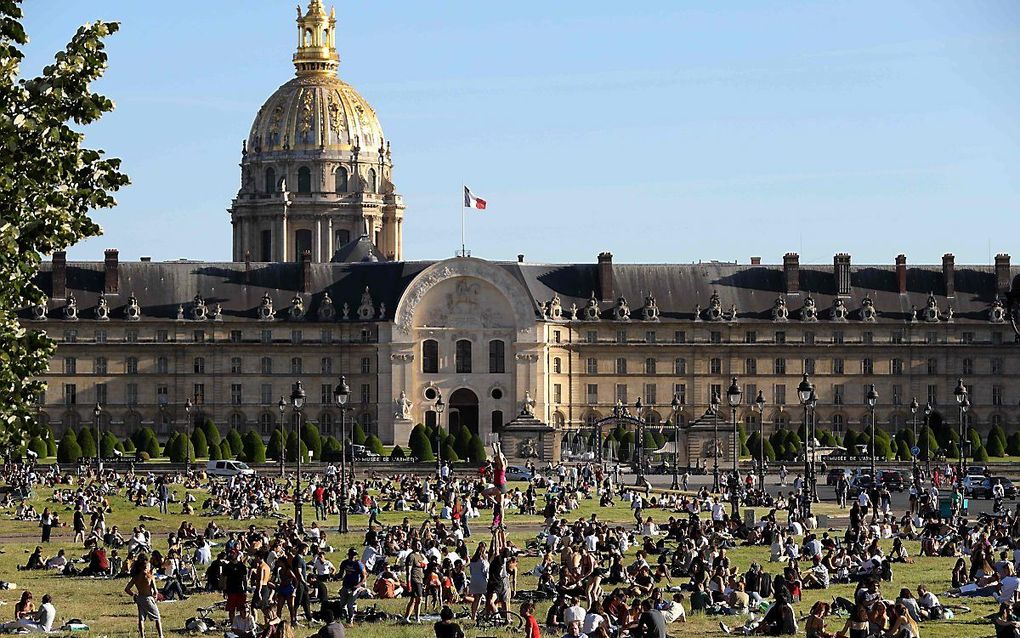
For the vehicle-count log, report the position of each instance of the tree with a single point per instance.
(234, 440)
(150, 444)
(107, 445)
(49, 184)
(648, 440)
(462, 442)
(199, 442)
(310, 435)
(87, 443)
(253, 449)
(51, 441)
(227, 452)
(68, 451)
(995, 446)
(358, 434)
(212, 433)
(742, 437)
(214, 453)
(1013, 446)
(450, 454)
(755, 448)
(996, 433)
(627, 446)
(980, 454)
(129, 445)
(292, 448)
(476, 450)
(419, 443)
(37, 445)
(903, 450)
(397, 452)
(850, 441)
(952, 450)
(275, 449)
(374, 444)
(331, 449)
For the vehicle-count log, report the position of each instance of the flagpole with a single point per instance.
(463, 250)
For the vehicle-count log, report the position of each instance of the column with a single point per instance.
(317, 256)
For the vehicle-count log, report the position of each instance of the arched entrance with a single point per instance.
(464, 409)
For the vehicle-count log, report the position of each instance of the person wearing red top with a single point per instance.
(530, 623)
(319, 498)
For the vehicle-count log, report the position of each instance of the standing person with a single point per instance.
(144, 586)
(415, 565)
(163, 492)
(46, 522)
(531, 629)
(235, 579)
(78, 525)
(478, 570)
(842, 487)
(637, 504)
(353, 578)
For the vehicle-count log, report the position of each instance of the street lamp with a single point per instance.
(297, 400)
(676, 440)
(733, 399)
(961, 399)
(640, 478)
(804, 394)
(927, 439)
(914, 405)
(812, 402)
(713, 407)
(341, 393)
(440, 407)
(759, 404)
(187, 439)
(96, 413)
(872, 398)
(598, 443)
(283, 439)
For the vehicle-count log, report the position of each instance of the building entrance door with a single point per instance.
(464, 409)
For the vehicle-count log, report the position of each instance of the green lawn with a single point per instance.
(102, 605)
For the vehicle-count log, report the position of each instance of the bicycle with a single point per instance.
(509, 620)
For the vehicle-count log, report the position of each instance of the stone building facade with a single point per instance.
(317, 289)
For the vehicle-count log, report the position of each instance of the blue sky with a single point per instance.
(662, 131)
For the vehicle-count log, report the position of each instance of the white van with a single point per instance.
(227, 468)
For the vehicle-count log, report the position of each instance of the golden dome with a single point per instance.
(316, 109)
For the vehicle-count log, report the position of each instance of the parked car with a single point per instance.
(984, 488)
(362, 453)
(970, 482)
(892, 480)
(861, 483)
(518, 473)
(832, 477)
(977, 470)
(227, 468)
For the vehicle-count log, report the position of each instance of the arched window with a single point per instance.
(591, 418)
(462, 356)
(270, 180)
(341, 237)
(497, 359)
(304, 180)
(341, 180)
(430, 356)
(373, 182)
(302, 242)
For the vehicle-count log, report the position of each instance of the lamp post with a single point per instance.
(964, 402)
(676, 441)
(733, 399)
(440, 408)
(812, 403)
(187, 439)
(297, 400)
(872, 398)
(804, 394)
(640, 477)
(914, 405)
(713, 407)
(598, 444)
(96, 413)
(927, 439)
(282, 405)
(342, 392)
(759, 404)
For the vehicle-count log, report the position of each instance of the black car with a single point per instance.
(984, 488)
(892, 480)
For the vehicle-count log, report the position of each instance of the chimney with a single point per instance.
(791, 272)
(59, 273)
(111, 280)
(756, 261)
(1002, 276)
(901, 274)
(520, 258)
(841, 271)
(145, 259)
(306, 271)
(606, 276)
(949, 273)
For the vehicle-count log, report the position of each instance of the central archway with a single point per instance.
(464, 410)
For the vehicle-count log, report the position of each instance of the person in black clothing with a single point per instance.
(235, 578)
(301, 592)
(651, 623)
(212, 574)
(446, 628)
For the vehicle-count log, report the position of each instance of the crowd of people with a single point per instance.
(594, 578)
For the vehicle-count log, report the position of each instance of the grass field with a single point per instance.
(102, 605)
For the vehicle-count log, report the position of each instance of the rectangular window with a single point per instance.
(131, 394)
(751, 336)
(101, 394)
(131, 336)
(996, 366)
(366, 365)
(235, 336)
(100, 336)
(715, 336)
(714, 390)
(780, 336)
(70, 394)
(326, 365)
(930, 337)
(462, 356)
(266, 365)
(968, 366)
(199, 365)
(621, 336)
(897, 394)
(235, 394)
(296, 336)
(557, 393)
(265, 394)
(296, 365)
(809, 366)
(867, 366)
(162, 365)
(199, 393)
(933, 367)
(680, 392)
(997, 338)
(750, 365)
(897, 336)
(837, 366)
(896, 366)
(557, 365)
(198, 336)
(162, 394)
(933, 394)
(70, 365)
(838, 394)
(779, 366)
(865, 388)
(967, 337)
(592, 394)
(779, 394)
(715, 366)
(679, 336)
(837, 336)
(267, 336)
(325, 394)
(366, 393)
(750, 393)
(621, 393)
(497, 357)
(591, 336)
(162, 336)
(100, 365)
(235, 365)
(997, 395)
(650, 365)
(649, 336)
(326, 335)
(591, 366)
(809, 338)
(650, 398)
(621, 365)
(557, 337)
(868, 337)
(70, 336)
(680, 366)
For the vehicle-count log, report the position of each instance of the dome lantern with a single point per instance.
(316, 51)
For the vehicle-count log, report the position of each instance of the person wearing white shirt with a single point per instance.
(718, 511)
(574, 614)
(323, 566)
(1008, 585)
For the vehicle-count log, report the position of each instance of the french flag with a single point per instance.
(470, 201)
